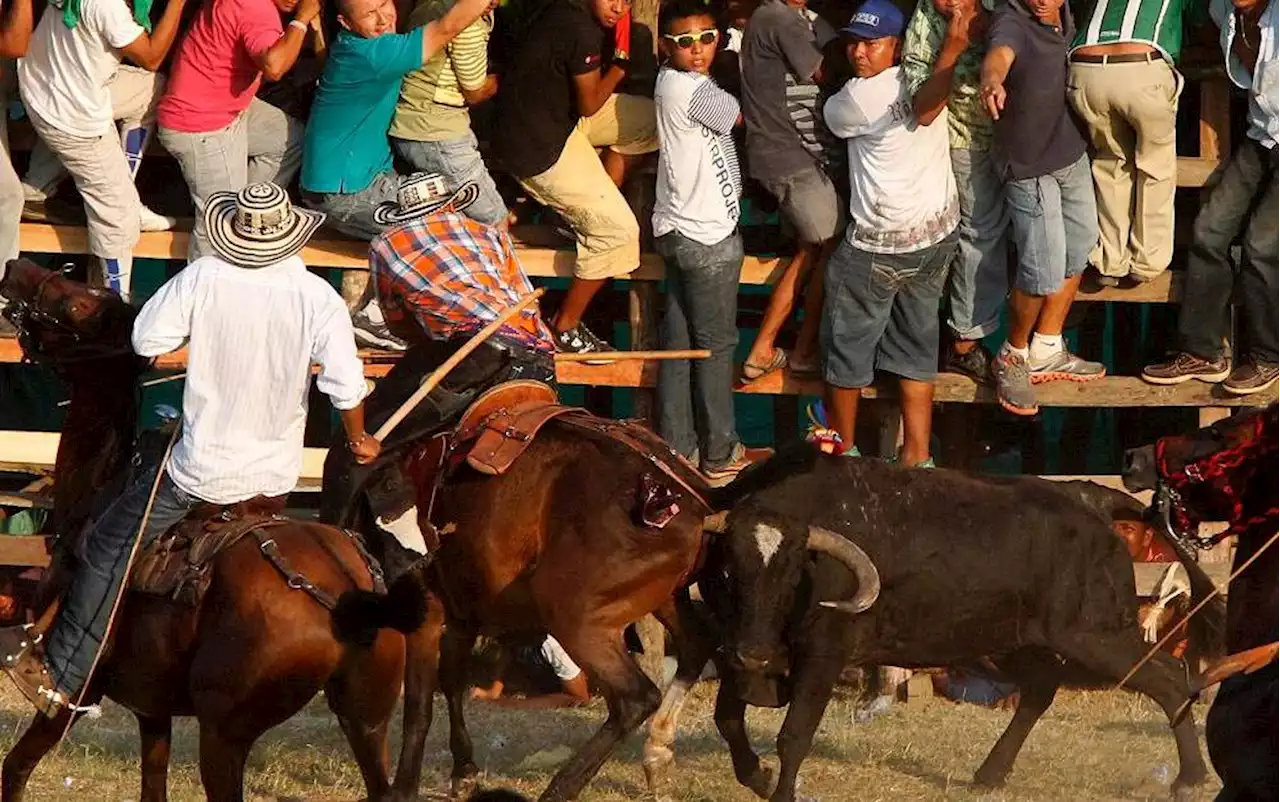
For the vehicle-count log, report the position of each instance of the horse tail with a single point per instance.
(360, 614)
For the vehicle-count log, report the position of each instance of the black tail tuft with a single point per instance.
(359, 614)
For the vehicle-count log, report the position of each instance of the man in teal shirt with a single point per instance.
(346, 158)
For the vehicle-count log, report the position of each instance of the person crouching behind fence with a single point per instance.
(885, 280)
(68, 80)
(440, 277)
(695, 221)
(255, 320)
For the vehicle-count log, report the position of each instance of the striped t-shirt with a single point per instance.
(431, 106)
(1158, 23)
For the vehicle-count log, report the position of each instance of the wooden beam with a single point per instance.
(24, 550)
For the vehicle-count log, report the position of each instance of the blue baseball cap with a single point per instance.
(876, 19)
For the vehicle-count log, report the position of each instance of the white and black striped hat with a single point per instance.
(257, 226)
(421, 194)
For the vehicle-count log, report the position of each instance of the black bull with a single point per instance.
(1011, 574)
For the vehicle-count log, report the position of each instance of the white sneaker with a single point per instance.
(150, 221)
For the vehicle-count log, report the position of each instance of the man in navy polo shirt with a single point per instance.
(1049, 192)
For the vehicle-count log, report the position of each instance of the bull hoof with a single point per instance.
(989, 779)
(462, 787)
(760, 782)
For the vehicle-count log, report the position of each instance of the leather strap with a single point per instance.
(1122, 58)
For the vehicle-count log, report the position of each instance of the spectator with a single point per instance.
(781, 69)
(1125, 88)
(885, 279)
(557, 103)
(1242, 205)
(222, 135)
(68, 81)
(695, 221)
(942, 59)
(573, 681)
(432, 127)
(134, 93)
(347, 167)
(1048, 191)
(15, 34)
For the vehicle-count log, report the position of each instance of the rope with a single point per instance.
(1217, 591)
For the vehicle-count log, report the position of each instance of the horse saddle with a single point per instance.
(179, 564)
(502, 422)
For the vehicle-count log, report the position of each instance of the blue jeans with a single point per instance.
(458, 160)
(1055, 226)
(81, 626)
(696, 400)
(351, 213)
(979, 280)
(880, 312)
(1242, 206)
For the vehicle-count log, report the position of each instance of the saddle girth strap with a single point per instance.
(271, 551)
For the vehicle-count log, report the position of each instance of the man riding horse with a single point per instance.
(254, 320)
(440, 277)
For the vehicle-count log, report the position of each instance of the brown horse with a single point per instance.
(224, 661)
(1228, 472)
(558, 543)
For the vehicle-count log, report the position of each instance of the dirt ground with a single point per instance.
(1099, 746)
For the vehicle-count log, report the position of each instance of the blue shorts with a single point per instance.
(1055, 226)
(881, 312)
(459, 161)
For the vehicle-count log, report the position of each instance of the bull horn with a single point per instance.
(857, 561)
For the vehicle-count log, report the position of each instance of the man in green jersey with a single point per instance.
(1125, 88)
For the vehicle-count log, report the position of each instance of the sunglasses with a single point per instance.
(685, 41)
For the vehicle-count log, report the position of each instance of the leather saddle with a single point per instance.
(179, 564)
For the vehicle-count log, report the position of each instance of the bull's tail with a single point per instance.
(1207, 630)
(360, 614)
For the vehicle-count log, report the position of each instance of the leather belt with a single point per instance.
(1122, 58)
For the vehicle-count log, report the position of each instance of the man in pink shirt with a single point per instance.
(223, 137)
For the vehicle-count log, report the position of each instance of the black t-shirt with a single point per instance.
(537, 104)
(1035, 134)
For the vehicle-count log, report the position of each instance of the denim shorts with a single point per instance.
(458, 160)
(1055, 226)
(880, 312)
(809, 204)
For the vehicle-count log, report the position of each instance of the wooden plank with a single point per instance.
(538, 261)
(25, 550)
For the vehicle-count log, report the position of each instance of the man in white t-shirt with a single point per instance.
(884, 282)
(65, 81)
(695, 223)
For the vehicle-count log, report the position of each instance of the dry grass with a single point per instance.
(1088, 747)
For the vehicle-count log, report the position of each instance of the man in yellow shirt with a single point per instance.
(432, 126)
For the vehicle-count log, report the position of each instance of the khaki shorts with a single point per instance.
(578, 188)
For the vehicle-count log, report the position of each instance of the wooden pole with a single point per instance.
(462, 353)
(634, 356)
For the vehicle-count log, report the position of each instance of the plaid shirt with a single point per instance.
(453, 276)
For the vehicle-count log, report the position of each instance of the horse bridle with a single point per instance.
(24, 313)
(1169, 503)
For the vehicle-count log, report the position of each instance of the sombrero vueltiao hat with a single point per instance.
(257, 226)
(422, 194)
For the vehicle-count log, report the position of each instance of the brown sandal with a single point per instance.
(752, 371)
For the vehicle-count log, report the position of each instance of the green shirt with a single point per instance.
(969, 125)
(1158, 23)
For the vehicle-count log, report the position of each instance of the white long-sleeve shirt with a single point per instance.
(253, 336)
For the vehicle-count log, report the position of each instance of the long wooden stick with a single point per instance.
(439, 373)
(630, 356)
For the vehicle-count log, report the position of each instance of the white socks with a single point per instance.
(1007, 348)
(373, 313)
(1044, 347)
(406, 531)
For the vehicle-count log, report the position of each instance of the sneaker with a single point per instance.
(1251, 376)
(1065, 365)
(976, 364)
(151, 221)
(375, 335)
(28, 672)
(1182, 366)
(1096, 281)
(54, 211)
(739, 460)
(1013, 384)
(581, 340)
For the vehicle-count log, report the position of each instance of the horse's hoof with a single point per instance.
(760, 782)
(462, 787)
(989, 779)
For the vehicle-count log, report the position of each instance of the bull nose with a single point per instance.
(749, 661)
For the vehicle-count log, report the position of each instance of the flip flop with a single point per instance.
(752, 371)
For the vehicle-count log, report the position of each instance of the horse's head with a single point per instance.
(60, 320)
(1204, 475)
